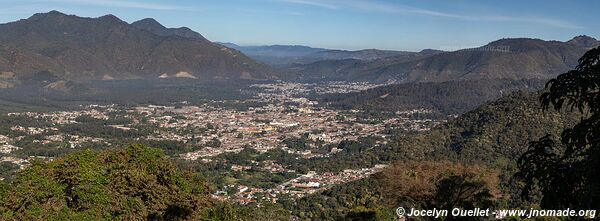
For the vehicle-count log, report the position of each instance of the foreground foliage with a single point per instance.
(136, 183)
(441, 185)
(566, 172)
(411, 184)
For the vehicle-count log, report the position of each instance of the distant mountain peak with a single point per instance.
(155, 27)
(59, 16)
(73, 48)
(583, 37)
(52, 13)
(55, 12)
(111, 18)
(508, 58)
(510, 41)
(149, 22)
(429, 50)
(584, 41)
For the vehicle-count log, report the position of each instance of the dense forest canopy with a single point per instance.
(452, 97)
(133, 183)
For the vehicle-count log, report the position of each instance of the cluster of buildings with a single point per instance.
(5, 146)
(263, 128)
(210, 130)
(292, 88)
(297, 188)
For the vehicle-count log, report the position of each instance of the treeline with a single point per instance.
(132, 92)
(453, 97)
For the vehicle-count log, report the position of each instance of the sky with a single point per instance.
(410, 25)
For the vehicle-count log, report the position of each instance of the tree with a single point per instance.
(441, 185)
(135, 183)
(365, 214)
(566, 172)
(463, 191)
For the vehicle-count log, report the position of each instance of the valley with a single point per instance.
(110, 118)
(286, 124)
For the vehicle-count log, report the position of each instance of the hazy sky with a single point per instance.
(345, 24)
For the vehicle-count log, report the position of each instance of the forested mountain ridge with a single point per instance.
(106, 48)
(511, 58)
(452, 97)
(497, 131)
(502, 130)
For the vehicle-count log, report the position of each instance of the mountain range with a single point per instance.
(285, 55)
(52, 49)
(512, 58)
(72, 48)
